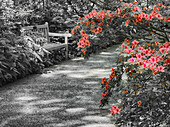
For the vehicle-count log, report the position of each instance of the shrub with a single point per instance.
(20, 56)
(140, 62)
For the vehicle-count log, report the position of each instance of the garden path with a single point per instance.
(66, 95)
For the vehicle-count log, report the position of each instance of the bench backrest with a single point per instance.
(41, 30)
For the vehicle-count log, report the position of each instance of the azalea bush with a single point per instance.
(142, 70)
(135, 22)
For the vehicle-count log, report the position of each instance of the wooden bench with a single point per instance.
(44, 29)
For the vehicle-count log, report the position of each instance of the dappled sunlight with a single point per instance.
(29, 109)
(69, 65)
(30, 104)
(83, 98)
(56, 125)
(95, 73)
(83, 76)
(78, 59)
(48, 109)
(46, 102)
(107, 53)
(48, 75)
(96, 118)
(32, 107)
(86, 99)
(107, 56)
(1, 98)
(73, 123)
(98, 61)
(71, 71)
(117, 52)
(64, 71)
(26, 98)
(99, 125)
(89, 102)
(75, 110)
(91, 82)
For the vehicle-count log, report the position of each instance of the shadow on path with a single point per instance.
(67, 95)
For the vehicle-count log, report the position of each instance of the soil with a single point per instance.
(65, 95)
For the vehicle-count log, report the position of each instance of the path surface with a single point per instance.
(66, 96)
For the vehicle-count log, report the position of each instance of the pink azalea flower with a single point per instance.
(154, 71)
(162, 50)
(150, 17)
(130, 50)
(161, 46)
(153, 51)
(152, 66)
(130, 4)
(139, 56)
(122, 45)
(153, 59)
(119, 10)
(166, 44)
(94, 12)
(146, 16)
(126, 5)
(137, 8)
(158, 58)
(167, 61)
(135, 43)
(159, 16)
(79, 44)
(132, 60)
(115, 110)
(147, 53)
(126, 47)
(126, 50)
(143, 15)
(161, 68)
(145, 64)
(140, 48)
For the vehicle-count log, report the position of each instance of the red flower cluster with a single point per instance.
(141, 16)
(139, 103)
(144, 57)
(83, 42)
(103, 80)
(113, 76)
(96, 31)
(73, 32)
(137, 15)
(104, 95)
(106, 83)
(115, 110)
(125, 91)
(139, 53)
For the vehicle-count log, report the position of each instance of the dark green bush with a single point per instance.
(19, 56)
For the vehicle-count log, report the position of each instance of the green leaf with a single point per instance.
(37, 56)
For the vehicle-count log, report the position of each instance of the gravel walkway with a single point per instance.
(67, 95)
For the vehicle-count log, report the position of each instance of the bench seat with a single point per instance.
(53, 46)
(44, 30)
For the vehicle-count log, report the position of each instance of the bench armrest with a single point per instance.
(59, 34)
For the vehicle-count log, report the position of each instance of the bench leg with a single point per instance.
(66, 52)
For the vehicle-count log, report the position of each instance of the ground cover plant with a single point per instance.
(20, 56)
(138, 85)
